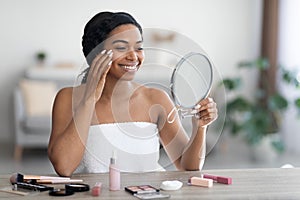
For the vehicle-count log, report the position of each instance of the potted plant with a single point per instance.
(40, 57)
(259, 117)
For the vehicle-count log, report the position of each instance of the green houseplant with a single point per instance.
(261, 115)
(40, 57)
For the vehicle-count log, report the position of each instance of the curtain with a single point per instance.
(269, 45)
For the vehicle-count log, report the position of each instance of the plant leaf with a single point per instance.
(232, 84)
(277, 102)
(262, 63)
(238, 104)
(246, 64)
(297, 102)
(278, 145)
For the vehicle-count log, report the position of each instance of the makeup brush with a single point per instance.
(17, 177)
(58, 181)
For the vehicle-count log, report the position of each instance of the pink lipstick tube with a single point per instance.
(219, 179)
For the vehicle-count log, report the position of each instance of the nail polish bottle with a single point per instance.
(114, 174)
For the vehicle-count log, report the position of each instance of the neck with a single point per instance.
(117, 88)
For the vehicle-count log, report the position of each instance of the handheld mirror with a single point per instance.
(190, 83)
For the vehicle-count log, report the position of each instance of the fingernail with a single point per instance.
(103, 52)
(109, 52)
(109, 63)
(194, 111)
(197, 106)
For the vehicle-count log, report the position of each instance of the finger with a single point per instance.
(203, 102)
(210, 105)
(207, 114)
(105, 65)
(103, 61)
(205, 120)
(211, 116)
(206, 101)
(96, 59)
(211, 111)
(103, 74)
(100, 64)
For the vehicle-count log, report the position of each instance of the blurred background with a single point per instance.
(249, 41)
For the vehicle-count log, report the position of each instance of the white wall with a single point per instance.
(229, 31)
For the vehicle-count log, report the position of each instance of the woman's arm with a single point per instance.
(69, 132)
(72, 115)
(186, 153)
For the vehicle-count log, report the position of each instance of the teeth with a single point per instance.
(130, 67)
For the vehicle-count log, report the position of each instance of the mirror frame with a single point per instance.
(175, 71)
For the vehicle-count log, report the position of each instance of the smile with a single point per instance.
(130, 67)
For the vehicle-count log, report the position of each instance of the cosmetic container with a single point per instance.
(219, 179)
(114, 175)
(202, 182)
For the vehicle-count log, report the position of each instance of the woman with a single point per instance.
(109, 112)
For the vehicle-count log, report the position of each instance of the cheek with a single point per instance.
(117, 56)
(141, 57)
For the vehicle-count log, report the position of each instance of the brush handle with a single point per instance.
(17, 177)
(35, 177)
(58, 181)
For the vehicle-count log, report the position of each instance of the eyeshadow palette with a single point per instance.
(146, 192)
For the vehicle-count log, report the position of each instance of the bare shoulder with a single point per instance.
(156, 95)
(65, 95)
(63, 106)
(67, 91)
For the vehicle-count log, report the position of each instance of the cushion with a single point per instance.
(38, 96)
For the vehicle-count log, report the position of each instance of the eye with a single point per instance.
(139, 47)
(121, 48)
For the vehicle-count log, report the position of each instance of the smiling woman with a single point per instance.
(128, 53)
(100, 28)
(108, 112)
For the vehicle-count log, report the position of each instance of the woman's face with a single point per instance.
(126, 42)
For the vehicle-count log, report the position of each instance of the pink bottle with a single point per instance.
(114, 175)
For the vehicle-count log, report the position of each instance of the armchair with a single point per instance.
(31, 131)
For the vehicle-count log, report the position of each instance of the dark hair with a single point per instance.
(96, 31)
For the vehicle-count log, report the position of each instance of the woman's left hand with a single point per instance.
(205, 112)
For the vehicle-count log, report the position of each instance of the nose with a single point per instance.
(132, 55)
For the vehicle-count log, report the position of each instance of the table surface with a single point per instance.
(270, 183)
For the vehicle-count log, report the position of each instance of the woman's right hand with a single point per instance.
(97, 75)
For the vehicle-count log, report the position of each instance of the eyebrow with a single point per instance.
(124, 41)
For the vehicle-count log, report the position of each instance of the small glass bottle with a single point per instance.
(114, 175)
